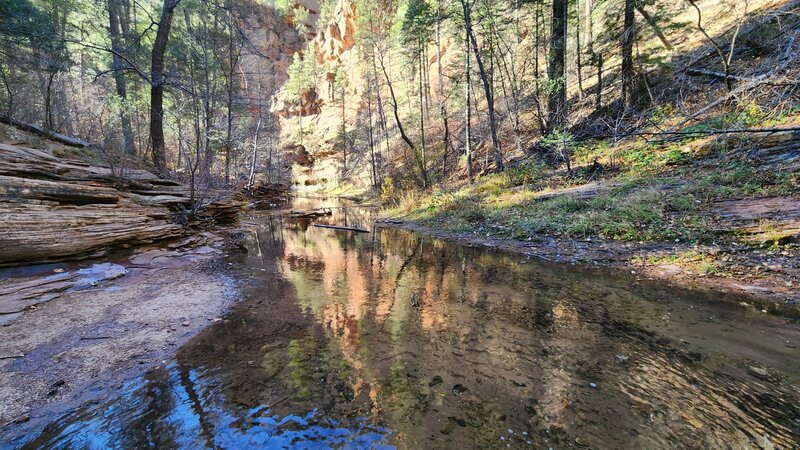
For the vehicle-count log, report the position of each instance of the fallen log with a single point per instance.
(311, 214)
(723, 76)
(41, 131)
(334, 227)
(787, 56)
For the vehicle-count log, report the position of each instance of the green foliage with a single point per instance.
(26, 26)
(559, 138)
(662, 113)
(388, 194)
(417, 21)
(525, 173)
(640, 156)
(326, 10)
(561, 142)
(284, 7)
(302, 75)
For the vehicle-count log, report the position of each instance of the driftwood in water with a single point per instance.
(311, 214)
(41, 131)
(333, 227)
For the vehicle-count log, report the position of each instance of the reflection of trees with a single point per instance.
(338, 330)
(206, 428)
(524, 339)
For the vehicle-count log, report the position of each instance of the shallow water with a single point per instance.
(389, 338)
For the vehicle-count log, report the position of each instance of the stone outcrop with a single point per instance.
(56, 208)
(315, 120)
(338, 36)
(311, 126)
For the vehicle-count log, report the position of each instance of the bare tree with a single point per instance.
(496, 150)
(628, 38)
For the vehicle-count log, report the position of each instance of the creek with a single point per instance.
(394, 339)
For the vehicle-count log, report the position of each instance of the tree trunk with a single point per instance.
(371, 136)
(496, 151)
(344, 131)
(400, 128)
(157, 87)
(654, 25)
(557, 68)
(381, 111)
(578, 59)
(233, 59)
(440, 87)
(599, 98)
(423, 164)
(115, 32)
(252, 177)
(537, 86)
(628, 37)
(48, 103)
(468, 112)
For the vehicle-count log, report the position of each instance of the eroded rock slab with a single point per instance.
(56, 208)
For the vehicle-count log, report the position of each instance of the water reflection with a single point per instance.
(388, 338)
(176, 407)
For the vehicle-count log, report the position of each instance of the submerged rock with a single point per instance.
(763, 373)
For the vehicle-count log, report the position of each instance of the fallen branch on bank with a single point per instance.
(721, 75)
(43, 132)
(694, 133)
(787, 56)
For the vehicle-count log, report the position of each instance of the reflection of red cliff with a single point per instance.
(343, 325)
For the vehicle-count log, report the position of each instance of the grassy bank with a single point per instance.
(714, 211)
(640, 192)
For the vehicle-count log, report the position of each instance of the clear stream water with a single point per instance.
(391, 339)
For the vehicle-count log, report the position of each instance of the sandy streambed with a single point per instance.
(84, 338)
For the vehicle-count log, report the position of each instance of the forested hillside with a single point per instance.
(659, 106)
